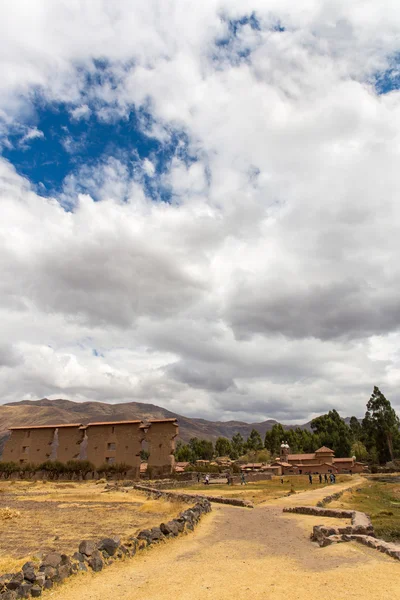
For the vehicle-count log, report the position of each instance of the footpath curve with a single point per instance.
(239, 553)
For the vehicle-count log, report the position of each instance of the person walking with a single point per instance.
(326, 478)
(243, 479)
(207, 479)
(310, 478)
(320, 478)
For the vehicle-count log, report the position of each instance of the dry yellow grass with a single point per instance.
(56, 516)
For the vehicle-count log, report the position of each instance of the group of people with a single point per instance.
(331, 479)
(229, 479)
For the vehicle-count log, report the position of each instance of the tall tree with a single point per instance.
(333, 432)
(254, 441)
(223, 447)
(355, 428)
(237, 445)
(381, 426)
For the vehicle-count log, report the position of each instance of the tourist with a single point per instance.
(198, 477)
(320, 478)
(332, 478)
(326, 478)
(310, 478)
(207, 480)
(282, 480)
(243, 480)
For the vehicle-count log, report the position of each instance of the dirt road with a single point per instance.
(239, 554)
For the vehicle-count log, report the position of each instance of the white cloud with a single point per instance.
(269, 286)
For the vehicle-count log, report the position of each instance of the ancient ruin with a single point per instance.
(104, 443)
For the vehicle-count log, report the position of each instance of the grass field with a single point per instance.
(381, 500)
(260, 491)
(56, 516)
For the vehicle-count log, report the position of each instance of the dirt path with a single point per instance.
(241, 553)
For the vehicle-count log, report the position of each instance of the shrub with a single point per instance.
(7, 468)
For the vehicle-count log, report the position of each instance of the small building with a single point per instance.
(321, 461)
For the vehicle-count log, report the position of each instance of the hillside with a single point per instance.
(44, 412)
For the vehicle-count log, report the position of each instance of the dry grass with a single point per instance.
(262, 491)
(56, 516)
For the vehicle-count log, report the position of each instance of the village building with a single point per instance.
(321, 461)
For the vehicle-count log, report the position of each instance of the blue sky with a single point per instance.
(199, 204)
(63, 144)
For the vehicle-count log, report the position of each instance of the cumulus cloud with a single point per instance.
(268, 286)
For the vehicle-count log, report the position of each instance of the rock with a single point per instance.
(63, 572)
(169, 528)
(156, 534)
(87, 547)
(15, 581)
(52, 560)
(48, 571)
(36, 591)
(48, 584)
(96, 562)
(40, 579)
(24, 590)
(110, 545)
(9, 595)
(82, 566)
(78, 556)
(28, 570)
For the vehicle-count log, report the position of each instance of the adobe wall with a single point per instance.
(115, 443)
(161, 439)
(69, 440)
(13, 447)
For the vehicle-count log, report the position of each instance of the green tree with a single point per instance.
(359, 451)
(355, 428)
(223, 447)
(273, 439)
(183, 452)
(237, 445)
(333, 432)
(254, 441)
(381, 426)
(201, 449)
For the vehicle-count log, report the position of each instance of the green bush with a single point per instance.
(7, 468)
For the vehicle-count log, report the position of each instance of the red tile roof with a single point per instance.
(163, 421)
(46, 426)
(293, 457)
(114, 423)
(349, 459)
(324, 449)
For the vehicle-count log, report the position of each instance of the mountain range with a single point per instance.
(48, 412)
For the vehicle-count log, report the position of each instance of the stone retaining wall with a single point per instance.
(55, 567)
(156, 493)
(334, 496)
(361, 529)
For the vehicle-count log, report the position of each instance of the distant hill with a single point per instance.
(46, 412)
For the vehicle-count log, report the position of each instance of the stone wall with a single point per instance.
(156, 493)
(54, 568)
(360, 530)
